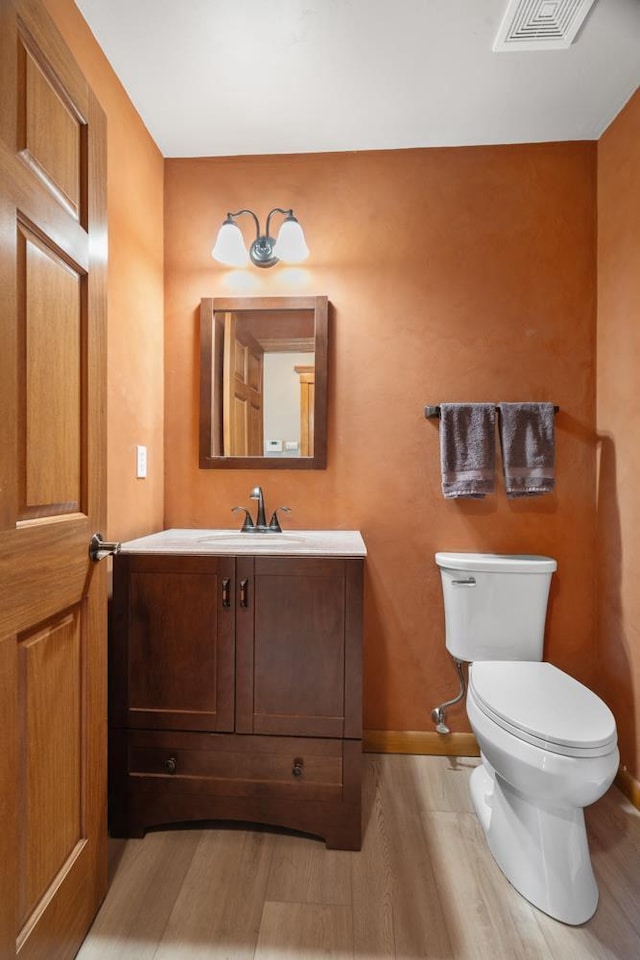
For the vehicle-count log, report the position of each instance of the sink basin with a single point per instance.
(251, 539)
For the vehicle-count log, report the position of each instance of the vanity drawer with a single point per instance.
(233, 765)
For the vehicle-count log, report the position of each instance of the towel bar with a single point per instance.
(433, 413)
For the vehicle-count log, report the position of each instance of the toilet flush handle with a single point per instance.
(466, 582)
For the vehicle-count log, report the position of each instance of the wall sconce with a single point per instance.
(290, 247)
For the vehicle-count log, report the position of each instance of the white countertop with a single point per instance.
(289, 543)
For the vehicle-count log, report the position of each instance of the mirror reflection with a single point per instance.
(263, 382)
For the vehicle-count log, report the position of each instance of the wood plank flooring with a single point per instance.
(424, 885)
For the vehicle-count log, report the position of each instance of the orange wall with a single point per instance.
(454, 274)
(618, 420)
(135, 288)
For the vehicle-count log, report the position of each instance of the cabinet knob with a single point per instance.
(298, 767)
(171, 765)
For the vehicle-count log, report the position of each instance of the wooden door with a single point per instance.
(307, 375)
(299, 647)
(172, 653)
(52, 492)
(243, 391)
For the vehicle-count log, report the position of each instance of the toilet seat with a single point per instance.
(538, 703)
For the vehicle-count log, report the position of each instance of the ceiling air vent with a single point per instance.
(541, 24)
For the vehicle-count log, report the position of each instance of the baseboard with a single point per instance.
(423, 742)
(629, 786)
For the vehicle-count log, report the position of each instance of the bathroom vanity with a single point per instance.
(235, 669)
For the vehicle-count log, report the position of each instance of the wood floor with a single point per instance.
(424, 885)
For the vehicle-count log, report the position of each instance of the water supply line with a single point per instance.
(439, 714)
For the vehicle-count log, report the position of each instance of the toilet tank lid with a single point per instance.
(496, 562)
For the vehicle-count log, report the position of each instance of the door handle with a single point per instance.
(99, 548)
(244, 593)
(226, 593)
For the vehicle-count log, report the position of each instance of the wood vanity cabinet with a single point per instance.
(236, 693)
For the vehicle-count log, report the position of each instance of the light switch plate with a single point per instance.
(141, 462)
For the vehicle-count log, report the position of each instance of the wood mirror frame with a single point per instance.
(212, 360)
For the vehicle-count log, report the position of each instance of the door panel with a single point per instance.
(50, 698)
(49, 129)
(172, 654)
(8, 799)
(50, 366)
(291, 648)
(52, 491)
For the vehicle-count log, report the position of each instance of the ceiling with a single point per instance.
(235, 77)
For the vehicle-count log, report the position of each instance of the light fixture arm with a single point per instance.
(230, 249)
(287, 213)
(230, 216)
(261, 250)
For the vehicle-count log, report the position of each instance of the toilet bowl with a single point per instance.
(548, 744)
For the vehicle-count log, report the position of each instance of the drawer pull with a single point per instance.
(244, 593)
(226, 597)
(298, 767)
(171, 765)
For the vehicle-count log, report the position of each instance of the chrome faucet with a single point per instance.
(260, 525)
(257, 494)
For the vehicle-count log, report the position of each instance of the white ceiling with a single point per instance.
(233, 77)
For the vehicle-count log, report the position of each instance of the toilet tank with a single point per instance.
(495, 605)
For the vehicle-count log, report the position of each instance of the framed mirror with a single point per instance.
(263, 382)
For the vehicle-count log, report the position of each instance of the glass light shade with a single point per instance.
(230, 247)
(291, 247)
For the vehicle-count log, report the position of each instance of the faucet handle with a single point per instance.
(248, 521)
(275, 523)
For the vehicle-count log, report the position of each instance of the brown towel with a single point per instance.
(467, 449)
(527, 437)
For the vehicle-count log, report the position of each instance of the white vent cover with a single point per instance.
(541, 24)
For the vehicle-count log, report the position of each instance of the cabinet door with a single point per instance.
(172, 650)
(299, 647)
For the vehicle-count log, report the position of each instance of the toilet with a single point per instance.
(548, 744)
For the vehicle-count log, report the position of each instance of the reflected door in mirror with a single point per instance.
(243, 377)
(307, 376)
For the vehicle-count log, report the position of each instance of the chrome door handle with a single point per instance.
(244, 593)
(99, 548)
(226, 593)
